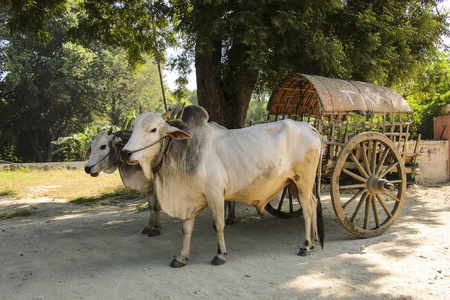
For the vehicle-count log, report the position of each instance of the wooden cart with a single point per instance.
(365, 129)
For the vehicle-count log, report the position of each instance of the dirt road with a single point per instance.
(66, 251)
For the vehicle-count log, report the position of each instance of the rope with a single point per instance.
(149, 145)
(101, 160)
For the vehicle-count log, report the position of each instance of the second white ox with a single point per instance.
(104, 157)
(208, 164)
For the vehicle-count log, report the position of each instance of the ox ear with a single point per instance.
(175, 133)
(88, 152)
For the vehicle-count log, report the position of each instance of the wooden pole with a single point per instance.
(157, 59)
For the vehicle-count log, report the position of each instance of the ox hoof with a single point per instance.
(304, 252)
(217, 261)
(176, 264)
(229, 222)
(146, 230)
(154, 232)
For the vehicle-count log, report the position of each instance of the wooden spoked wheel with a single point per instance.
(285, 207)
(368, 184)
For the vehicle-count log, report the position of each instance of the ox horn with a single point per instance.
(110, 131)
(129, 124)
(124, 123)
(166, 114)
(177, 123)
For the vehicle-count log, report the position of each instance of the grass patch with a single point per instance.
(115, 198)
(20, 212)
(72, 185)
(57, 184)
(6, 193)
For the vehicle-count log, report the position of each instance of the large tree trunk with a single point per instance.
(236, 108)
(226, 107)
(41, 142)
(209, 86)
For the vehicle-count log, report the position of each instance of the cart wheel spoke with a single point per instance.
(365, 159)
(388, 169)
(358, 165)
(357, 177)
(291, 206)
(391, 196)
(279, 208)
(356, 196)
(280, 204)
(367, 212)
(381, 162)
(353, 186)
(358, 208)
(373, 157)
(386, 209)
(375, 212)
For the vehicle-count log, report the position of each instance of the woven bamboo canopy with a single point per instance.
(300, 94)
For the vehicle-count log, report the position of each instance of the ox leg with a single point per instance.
(180, 260)
(218, 214)
(304, 194)
(231, 205)
(154, 223)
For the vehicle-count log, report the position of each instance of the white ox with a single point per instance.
(208, 165)
(104, 157)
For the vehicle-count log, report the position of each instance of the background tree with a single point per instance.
(427, 94)
(53, 89)
(122, 89)
(45, 89)
(257, 110)
(241, 46)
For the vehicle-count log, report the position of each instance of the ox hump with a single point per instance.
(195, 116)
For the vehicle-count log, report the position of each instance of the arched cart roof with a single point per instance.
(299, 94)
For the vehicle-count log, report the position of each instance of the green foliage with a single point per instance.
(31, 16)
(427, 94)
(128, 24)
(46, 89)
(257, 110)
(124, 89)
(72, 147)
(375, 41)
(242, 46)
(51, 90)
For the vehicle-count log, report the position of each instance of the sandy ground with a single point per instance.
(67, 251)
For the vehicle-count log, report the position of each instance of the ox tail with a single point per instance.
(320, 226)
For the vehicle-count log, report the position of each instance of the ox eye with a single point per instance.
(153, 130)
(102, 147)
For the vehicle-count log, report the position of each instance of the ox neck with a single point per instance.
(158, 161)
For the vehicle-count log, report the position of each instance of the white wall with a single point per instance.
(433, 161)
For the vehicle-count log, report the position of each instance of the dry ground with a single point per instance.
(68, 251)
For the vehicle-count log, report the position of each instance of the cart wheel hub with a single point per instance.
(376, 185)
